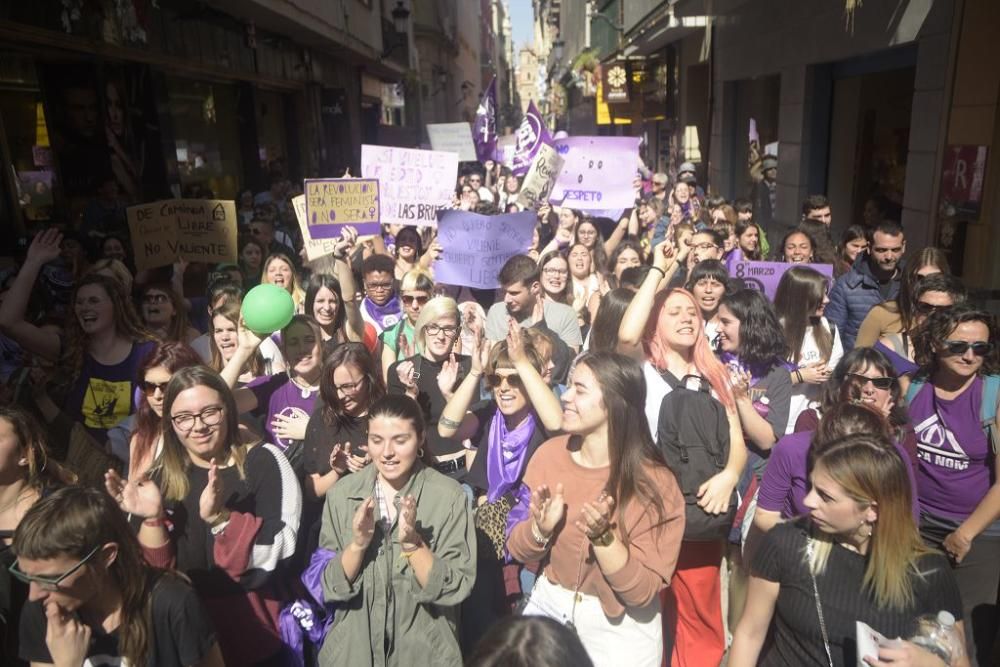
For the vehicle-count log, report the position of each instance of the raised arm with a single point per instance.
(246, 400)
(44, 342)
(456, 421)
(540, 396)
(342, 250)
(637, 314)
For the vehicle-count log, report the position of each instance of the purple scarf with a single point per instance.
(507, 457)
(386, 315)
(307, 618)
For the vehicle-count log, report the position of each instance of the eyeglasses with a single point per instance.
(494, 380)
(883, 383)
(50, 583)
(155, 298)
(980, 348)
(149, 388)
(415, 299)
(210, 416)
(555, 272)
(925, 308)
(705, 246)
(378, 287)
(434, 330)
(349, 387)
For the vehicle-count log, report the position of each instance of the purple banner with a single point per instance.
(333, 203)
(765, 276)
(530, 136)
(484, 131)
(477, 246)
(597, 172)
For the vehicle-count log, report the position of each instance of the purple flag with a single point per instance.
(484, 131)
(530, 135)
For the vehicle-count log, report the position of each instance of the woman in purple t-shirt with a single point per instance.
(285, 400)
(957, 477)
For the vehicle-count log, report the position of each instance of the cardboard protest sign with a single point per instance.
(315, 248)
(413, 184)
(597, 172)
(765, 276)
(475, 247)
(540, 179)
(332, 203)
(453, 138)
(197, 230)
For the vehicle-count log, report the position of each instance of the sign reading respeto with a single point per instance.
(597, 172)
(413, 184)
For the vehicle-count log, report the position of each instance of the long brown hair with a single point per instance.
(230, 309)
(42, 470)
(631, 450)
(354, 354)
(126, 321)
(72, 522)
(904, 303)
(800, 293)
(175, 461)
(178, 327)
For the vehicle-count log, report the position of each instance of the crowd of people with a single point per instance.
(622, 455)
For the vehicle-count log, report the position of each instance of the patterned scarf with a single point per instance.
(386, 315)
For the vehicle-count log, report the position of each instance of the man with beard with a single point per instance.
(872, 280)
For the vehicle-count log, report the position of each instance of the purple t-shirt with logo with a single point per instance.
(278, 395)
(786, 481)
(953, 451)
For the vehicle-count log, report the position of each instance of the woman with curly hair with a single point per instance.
(952, 403)
(164, 314)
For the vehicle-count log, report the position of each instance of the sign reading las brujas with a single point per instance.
(413, 184)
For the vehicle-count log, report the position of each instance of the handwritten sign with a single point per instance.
(765, 276)
(597, 172)
(332, 203)
(477, 246)
(413, 184)
(197, 230)
(453, 138)
(540, 179)
(315, 248)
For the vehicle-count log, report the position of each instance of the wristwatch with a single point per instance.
(604, 539)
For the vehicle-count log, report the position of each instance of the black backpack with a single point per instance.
(693, 435)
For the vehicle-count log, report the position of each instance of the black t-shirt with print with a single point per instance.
(796, 635)
(182, 633)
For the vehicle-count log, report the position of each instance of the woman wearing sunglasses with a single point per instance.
(505, 432)
(958, 478)
(164, 314)
(431, 376)
(223, 511)
(93, 601)
(398, 341)
(931, 293)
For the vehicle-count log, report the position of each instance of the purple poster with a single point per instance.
(597, 173)
(484, 131)
(530, 135)
(477, 246)
(765, 276)
(332, 203)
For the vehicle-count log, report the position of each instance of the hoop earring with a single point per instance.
(420, 452)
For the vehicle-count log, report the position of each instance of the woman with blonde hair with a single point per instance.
(399, 340)
(857, 557)
(279, 270)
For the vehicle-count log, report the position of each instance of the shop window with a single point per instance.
(272, 145)
(206, 137)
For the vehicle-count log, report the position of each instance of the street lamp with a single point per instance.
(400, 16)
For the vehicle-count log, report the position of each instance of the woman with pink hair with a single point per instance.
(678, 357)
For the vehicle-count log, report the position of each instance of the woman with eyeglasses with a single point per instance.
(958, 478)
(398, 341)
(336, 442)
(606, 517)
(100, 348)
(858, 557)
(93, 601)
(27, 474)
(937, 291)
(403, 545)
(554, 271)
(505, 432)
(431, 376)
(164, 314)
(223, 511)
(280, 270)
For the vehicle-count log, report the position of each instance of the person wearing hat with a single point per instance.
(764, 197)
(686, 174)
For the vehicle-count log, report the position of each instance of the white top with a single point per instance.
(656, 389)
(804, 394)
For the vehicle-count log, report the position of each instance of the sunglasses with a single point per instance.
(149, 388)
(883, 383)
(925, 308)
(494, 380)
(414, 299)
(50, 583)
(959, 347)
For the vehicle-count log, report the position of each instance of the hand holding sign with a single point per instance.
(597, 172)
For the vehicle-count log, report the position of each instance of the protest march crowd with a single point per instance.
(674, 433)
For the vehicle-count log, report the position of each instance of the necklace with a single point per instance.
(306, 389)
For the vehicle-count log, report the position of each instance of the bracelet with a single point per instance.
(220, 518)
(656, 268)
(449, 423)
(155, 522)
(798, 376)
(537, 534)
(407, 553)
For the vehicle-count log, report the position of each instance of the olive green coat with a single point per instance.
(384, 617)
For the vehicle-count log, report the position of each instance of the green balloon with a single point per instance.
(267, 308)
